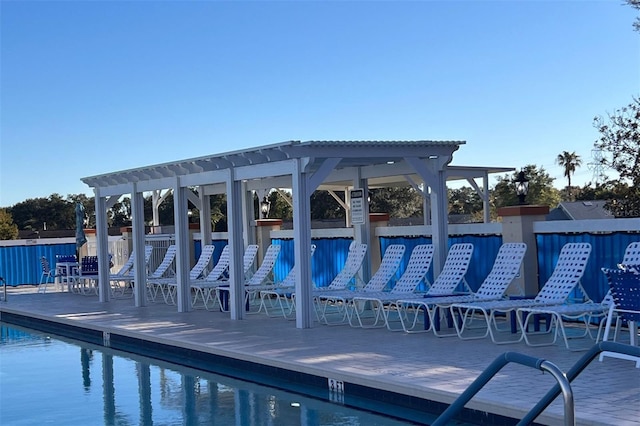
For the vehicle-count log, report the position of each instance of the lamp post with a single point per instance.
(265, 206)
(522, 187)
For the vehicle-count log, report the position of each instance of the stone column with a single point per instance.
(517, 226)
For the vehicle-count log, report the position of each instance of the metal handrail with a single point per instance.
(577, 368)
(563, 381)
(494, 368)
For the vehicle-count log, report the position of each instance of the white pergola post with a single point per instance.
(183, 264)
(102, 248)
(205, 217)
(236, 247)
(138, 228)
(301, 194)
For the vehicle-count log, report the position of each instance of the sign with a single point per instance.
(357, 206)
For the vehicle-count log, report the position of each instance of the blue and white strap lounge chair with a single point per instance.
(625, 291)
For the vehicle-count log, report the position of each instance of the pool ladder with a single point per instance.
(563, 385)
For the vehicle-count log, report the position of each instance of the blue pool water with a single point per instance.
(58, 381)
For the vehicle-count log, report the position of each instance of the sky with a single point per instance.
(93, 87)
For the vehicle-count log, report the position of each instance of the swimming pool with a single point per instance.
(55, 380)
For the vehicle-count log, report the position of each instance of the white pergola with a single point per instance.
(301, 166)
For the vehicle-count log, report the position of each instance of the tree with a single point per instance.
(464, 201)
(8, 229)
(541, 190)
(636, 5)
(620, 144)
(570, 161)
(280, 205)
(399, 202)
(53, 213)
(324, 206)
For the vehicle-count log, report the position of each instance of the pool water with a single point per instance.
(47, 380)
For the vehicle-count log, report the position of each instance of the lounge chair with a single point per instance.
(163, 271)
(347, 275)
(218, 273)
(625, 291)
(446, 283)
(122, 279)
(566, 276)
(414, 274)
(276, 296)
(205, 289)
(505, 269)
(584, 312)
(256, 281)
(332, 302)
(169, 286)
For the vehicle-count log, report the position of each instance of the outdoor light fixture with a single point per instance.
(265, 206)
(522, 187)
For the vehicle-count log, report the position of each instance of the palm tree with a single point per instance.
(570, 161)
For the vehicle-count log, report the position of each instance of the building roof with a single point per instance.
(580, 210)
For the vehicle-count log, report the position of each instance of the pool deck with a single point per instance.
(420, 365)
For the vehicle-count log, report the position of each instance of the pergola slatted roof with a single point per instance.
(304, 167)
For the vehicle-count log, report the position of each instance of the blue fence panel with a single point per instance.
(409, 243)
(218, 244)
(286, 258)
(607, 250)
(21, 264)
(328, 259)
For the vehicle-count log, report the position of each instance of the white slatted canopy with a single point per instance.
(301, 166)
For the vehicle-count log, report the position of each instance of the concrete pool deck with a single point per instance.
(418, 365)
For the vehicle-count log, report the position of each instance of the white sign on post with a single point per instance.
(357, 207)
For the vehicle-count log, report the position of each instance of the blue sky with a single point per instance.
(91, 87)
